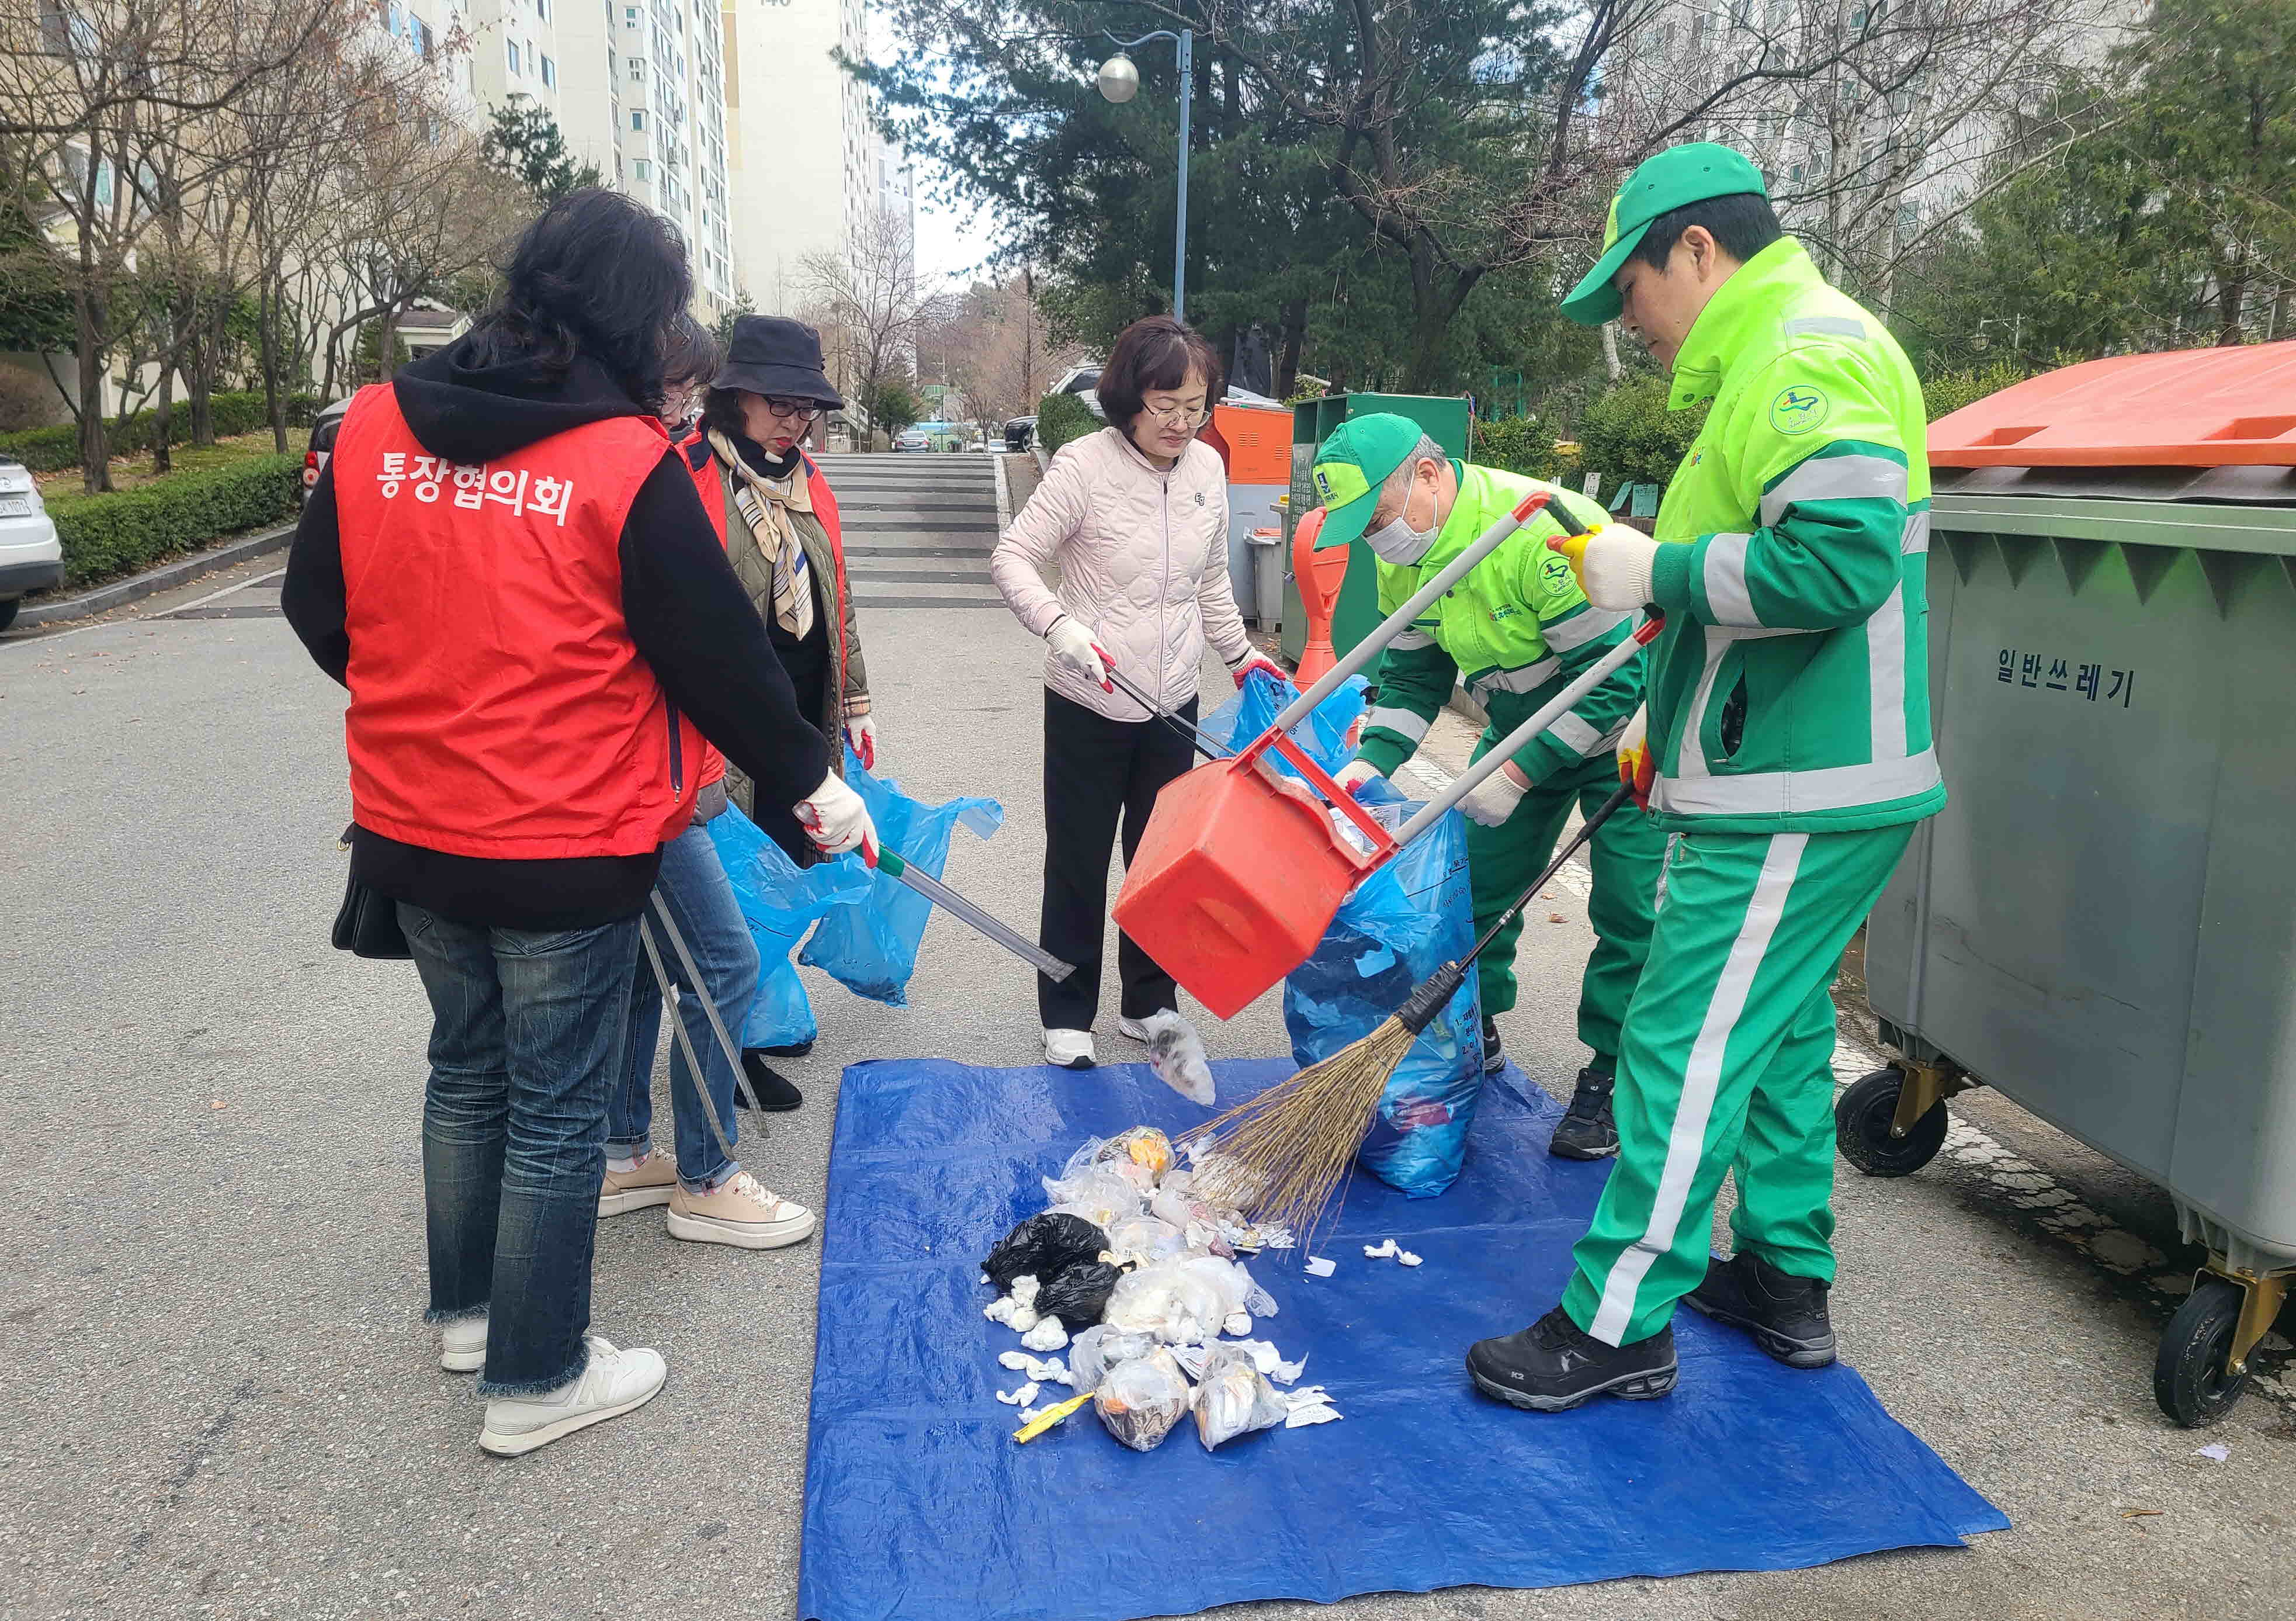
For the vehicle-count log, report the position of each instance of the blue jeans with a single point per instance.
(701, 899)
(526, 1044)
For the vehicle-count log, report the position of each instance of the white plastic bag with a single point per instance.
(1102, 1195)
(1139, 1401)
(1234, 1398)
(1093, 1352)
(1146, 1239)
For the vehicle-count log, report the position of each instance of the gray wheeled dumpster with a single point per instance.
(2101, 922)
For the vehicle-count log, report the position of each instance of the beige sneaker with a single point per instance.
(639, 1189)
(741, 1213)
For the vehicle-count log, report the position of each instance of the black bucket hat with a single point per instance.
(774, 354)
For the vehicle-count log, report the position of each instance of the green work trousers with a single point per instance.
(1726, 1064)
(1626, 852)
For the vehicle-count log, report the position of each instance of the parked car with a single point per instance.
(913, 439)
(324, 427)
(1083, 381)
(1019, 432)
(31, 559)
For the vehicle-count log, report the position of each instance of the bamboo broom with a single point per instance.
(1283, 1153)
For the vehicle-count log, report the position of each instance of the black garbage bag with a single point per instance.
(1043, 1246)
(1079, 1294)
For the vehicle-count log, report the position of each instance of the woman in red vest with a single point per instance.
(506, 565)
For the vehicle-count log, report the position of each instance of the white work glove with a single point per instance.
(1080, 650)
(1354, 774)
(836, 820)
(861, 734)
(1258, 661)
(1614, 565)
(1495, 797)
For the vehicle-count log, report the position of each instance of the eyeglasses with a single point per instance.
(804, 411)
(1179, 415)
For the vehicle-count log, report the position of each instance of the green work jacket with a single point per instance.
(1517, 628)
(1789, 689)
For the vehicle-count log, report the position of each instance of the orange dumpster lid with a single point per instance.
(2194, 407)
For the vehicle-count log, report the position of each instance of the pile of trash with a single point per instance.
(1141, 1283)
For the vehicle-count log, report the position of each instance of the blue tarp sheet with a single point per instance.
(918, 1506)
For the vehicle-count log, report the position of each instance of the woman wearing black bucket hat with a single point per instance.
(775, 513)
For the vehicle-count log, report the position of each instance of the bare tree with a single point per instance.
(996, 346)
(869, 303)
(65, 64)
(1881, 122)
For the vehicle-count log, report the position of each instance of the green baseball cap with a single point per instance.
(1352, 463)
(1674, 178)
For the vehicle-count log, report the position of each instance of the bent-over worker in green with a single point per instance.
(1789, 727)
(1519, 629)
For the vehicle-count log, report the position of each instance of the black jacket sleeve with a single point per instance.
(693, 622)
(312, 597)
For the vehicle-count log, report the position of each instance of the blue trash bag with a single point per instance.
(1323, 734)
(1399, 925)
(779, 901)
(869, 944)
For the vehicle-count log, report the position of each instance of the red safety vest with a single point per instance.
(498, 706)
(709, 483)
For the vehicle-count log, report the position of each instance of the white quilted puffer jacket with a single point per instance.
(1142, 558)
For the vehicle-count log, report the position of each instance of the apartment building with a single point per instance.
(804, 161)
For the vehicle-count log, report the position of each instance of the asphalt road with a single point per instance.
(224, 1402)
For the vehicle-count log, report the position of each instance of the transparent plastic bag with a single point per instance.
(1179, 1302)
(1146, 1239)
(1142, 1399)
(1234, 1398)
(1101, 1194)
(1093, 1352)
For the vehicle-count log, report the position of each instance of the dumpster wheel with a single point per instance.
(2191, 1377)
(1864, 1127)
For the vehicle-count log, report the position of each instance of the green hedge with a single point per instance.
(1520, 444)
(54, 449)
(1629, 436)
(1946, 392)
(105, 535)
(1061, 417)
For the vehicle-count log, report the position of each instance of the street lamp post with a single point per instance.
(1119, 82)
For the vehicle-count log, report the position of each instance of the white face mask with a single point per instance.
(1398, 542)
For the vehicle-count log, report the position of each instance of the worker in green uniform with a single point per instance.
(1519, 629)
(1789, 741)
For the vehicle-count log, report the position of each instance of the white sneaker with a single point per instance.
(1069, 1049)
(612, 1384)
(742, 1212)
(462, 1344)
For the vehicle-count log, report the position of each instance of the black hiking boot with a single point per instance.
(1786, 1314)
(1493, 1057)
(1587, 1130)
(795, 1049)
(1554, 1365)
(775, 1094)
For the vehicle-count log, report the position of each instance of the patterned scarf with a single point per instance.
(762, 505)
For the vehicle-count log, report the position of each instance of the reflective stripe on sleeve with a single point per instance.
(1575, 735)
(1836, 478)
(1727, 600)
(1917, 533)
(1402, 723)
(1793, 792)
(1412, 640)
(1530, 678)
(1589, 624)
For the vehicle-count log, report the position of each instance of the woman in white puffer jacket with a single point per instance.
(1136, 517)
